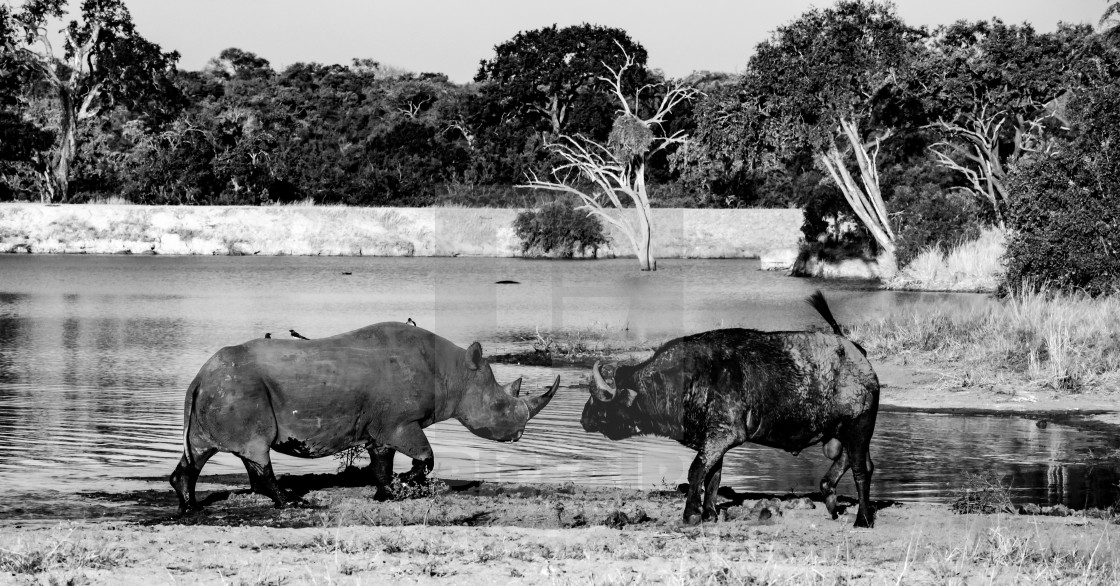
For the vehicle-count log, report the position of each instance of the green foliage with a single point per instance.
(1065, 211)
(559, 228)
(548, 78)
(927, 213)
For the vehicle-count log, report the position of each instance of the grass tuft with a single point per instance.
(59, 554)
(970, 266)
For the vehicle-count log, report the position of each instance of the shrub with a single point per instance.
(558, 228)
(929, 218)
(1064, 214)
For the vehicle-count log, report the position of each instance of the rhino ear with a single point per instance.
(474, 356)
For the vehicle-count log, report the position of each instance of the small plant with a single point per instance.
(558, 228)
(406, 488)
(349, 457)
(982, 493)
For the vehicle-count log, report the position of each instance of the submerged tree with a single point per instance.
(614, 174)
(103, 63)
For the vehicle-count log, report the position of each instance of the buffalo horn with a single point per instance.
(602, 391)
(535, 404)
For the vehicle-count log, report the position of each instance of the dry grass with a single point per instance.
(970, 266)
(58, 552)
(1065, 342)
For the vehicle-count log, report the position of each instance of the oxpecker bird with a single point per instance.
(296, 334)
(410, 322)
(268, 335)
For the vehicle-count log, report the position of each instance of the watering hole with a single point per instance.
(96, 354)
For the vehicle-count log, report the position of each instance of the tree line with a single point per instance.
(916, 134)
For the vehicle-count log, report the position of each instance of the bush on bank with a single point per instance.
(1065, 212)
(558, 228)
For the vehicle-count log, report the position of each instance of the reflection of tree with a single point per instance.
(10, 331)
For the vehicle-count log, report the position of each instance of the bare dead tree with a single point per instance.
(616, 171)
(76, 99)
(973, 150)
(865, 198)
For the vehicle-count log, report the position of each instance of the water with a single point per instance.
(96, 353)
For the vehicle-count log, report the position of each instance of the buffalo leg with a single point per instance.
(711, 487)
(704, 476)
(185, 476)
(381, 463)
(858, 447)
(862, 467)
(409, 439)
(835, 452)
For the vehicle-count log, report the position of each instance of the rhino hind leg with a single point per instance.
(184, 478)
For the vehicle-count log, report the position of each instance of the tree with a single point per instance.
(615, 173)
(550, 77)
(104, 63)
(21, 142)
(833, 84)
(1110, 20)
(998, 91)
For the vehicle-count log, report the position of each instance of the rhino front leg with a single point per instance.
(409, 439)
(381, 464)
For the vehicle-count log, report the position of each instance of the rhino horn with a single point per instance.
(535, 404)
(602, 391)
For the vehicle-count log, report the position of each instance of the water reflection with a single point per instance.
(96, 353)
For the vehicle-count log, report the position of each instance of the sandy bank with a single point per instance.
(334, 230)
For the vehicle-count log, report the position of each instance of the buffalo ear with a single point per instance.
(627, 397)
(474, 356)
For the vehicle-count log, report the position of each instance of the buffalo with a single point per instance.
(378, 387)
(716, 390)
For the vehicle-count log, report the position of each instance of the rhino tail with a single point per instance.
(817, 302)
(192, 394)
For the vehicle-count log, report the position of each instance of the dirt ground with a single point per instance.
(488, 533)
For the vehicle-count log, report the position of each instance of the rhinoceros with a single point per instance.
(378, 387)
(716, 390)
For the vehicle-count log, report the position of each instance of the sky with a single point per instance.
(452, 36)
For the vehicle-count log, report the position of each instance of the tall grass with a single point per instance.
(1066, 342)
(970, 266)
